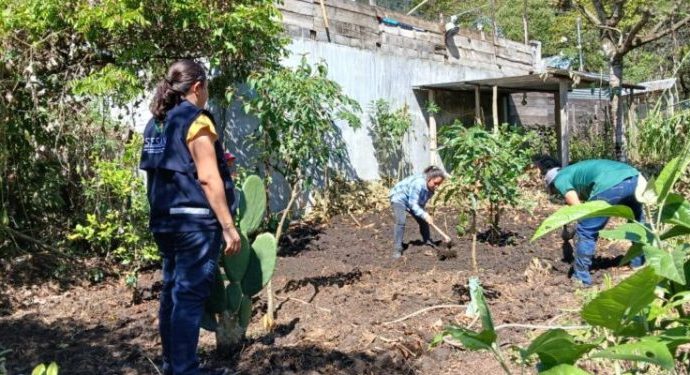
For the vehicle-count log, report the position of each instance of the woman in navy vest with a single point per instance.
(187, 181)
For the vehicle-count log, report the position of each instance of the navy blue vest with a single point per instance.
(176, 199)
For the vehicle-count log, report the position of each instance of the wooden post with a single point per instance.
(432, 133)
(579, 43)
(325, 20)
(494, 31)
(505, 109)
(477, 106)
(494, 108)
(493, 23)
(524, 21)
(561, 115)
(632, 123)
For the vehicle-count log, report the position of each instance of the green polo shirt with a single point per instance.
(590, 177)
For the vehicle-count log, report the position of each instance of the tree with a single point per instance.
(65, 62)
(297, 135)
(485, 168)
(625, 25)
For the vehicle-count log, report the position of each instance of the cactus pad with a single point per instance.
(266, 248)
(208, 321)
(262, 261)
(248, 271)
(245, 314)
(216, 302)
(236, 265)
(252, 204)
(234, 297)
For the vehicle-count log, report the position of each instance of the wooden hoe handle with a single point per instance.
(446, 238)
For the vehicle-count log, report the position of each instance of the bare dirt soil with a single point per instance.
(343, 305)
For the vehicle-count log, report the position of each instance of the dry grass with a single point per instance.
(349, 197)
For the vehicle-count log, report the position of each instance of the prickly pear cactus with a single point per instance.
(245, 273)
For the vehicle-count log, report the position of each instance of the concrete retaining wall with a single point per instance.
(371, 60)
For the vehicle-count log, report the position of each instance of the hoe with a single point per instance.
(448, 252)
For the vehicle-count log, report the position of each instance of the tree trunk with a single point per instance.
(229, 332)
(268, 178)
(616, 108)
(269, 318)
(495, 222)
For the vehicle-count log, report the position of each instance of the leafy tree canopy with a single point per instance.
(554, 23)
(64, 62)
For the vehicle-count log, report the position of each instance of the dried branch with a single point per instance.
(287, 299)
(27, 238)
(658, 26)
(359, 225)
(538, 326)
(425, 310)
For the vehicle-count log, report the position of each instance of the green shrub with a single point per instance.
(117, 225)
(485, 169)
(657, 138)
(587, 145)
(388, 128)
(545, 141)
(297, 109)
(297, 136)
(60, 59)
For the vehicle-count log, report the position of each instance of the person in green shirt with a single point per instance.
(607, 180)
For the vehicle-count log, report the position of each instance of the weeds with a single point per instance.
(659, 136)
(117, 225)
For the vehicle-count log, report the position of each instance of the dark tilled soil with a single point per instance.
(343, 306)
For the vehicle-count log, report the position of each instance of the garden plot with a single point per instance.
(343, 306)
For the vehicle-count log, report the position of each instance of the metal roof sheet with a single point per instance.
(547, 81)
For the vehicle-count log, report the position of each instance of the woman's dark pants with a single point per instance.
(189, 265)
(400, 214)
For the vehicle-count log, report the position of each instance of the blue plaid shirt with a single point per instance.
(413, 193)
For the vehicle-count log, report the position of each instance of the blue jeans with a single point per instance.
(189, 265)
(400, 216)
(588, 229)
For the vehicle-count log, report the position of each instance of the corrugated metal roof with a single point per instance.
(596, 93)
(590, 94)
(658, 85)
(547, 81)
